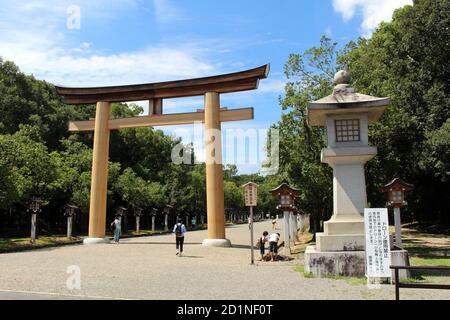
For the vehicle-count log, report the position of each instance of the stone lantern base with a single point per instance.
(347, 263)
(343, 263)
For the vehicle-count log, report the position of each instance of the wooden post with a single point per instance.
(251, 236)
(397, 285)
(398, 228)
(166, 222)
(153, 223)
(99, 182)
(214, 173)
(155, 107)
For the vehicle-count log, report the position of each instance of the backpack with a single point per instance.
(178, 230)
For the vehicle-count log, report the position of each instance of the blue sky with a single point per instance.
(139, 41)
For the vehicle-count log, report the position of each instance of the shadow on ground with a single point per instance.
(158, 243)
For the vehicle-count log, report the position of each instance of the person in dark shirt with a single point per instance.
(180, 230)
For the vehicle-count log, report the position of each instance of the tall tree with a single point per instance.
(309, 77)
(408, 61)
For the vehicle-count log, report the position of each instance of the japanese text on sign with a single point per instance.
(250, 195)
(378, 253)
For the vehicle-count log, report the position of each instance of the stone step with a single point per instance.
(343, 227)
(341, 242)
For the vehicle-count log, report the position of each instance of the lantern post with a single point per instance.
(34, 208)
(167, 210)
(138, 215)
(396, 190)
(154, 213)
(70, 213)
(287, 196)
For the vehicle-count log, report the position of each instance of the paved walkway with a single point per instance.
(147, 268)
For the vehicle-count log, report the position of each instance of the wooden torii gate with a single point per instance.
(212, 116)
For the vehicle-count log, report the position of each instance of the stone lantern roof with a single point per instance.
(345, 100)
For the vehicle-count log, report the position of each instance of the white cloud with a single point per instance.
(34, 35)
(373, 11)
(166, 12)
(272, 85)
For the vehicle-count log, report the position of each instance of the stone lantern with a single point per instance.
(34, 207)
(396, 190)
(138, 214)
(167, 210)
(154, 213)
(346, 115)
(287, 196)
(70, 213)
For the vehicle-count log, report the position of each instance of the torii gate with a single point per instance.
(212, 116)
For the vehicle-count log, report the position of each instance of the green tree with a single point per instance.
(234, 195)
(407, 60)
(133, 189)
(24, 100)
(28, 161)
(309, 77)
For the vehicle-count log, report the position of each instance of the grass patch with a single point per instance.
(350, 280)
(357, 281)
(301, 269)
(426, 252)
(429, 276)
(434, 262)
(21, 244)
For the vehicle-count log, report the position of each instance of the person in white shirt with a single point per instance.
(273, 245)
(116, 225)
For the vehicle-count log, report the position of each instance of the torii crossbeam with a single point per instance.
(212, 116)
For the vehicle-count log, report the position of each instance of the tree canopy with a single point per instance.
(406, 60)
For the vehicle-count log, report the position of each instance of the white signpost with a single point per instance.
(378, 252)
(251, 200)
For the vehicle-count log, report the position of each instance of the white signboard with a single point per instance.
(378, 253)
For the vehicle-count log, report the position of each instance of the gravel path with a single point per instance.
(147, 268)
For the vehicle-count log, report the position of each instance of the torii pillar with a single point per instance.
(99, 179)
(214, 173)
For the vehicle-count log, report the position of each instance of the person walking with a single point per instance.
(262, 243)
(180, 230)
(274, 222)
(116, 226)
(249, 223)
(273, 245)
